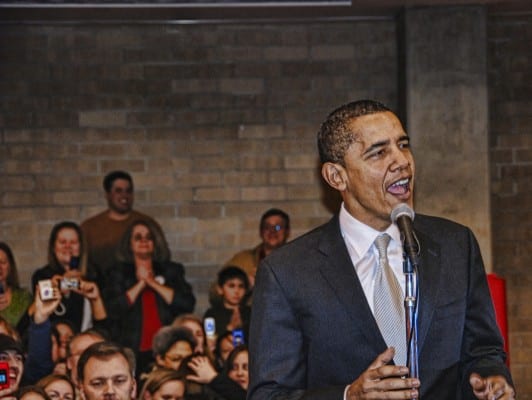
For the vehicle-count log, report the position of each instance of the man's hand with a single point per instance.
(382, 381)
(491, 388)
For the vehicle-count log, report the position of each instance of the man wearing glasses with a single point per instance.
(274, 230)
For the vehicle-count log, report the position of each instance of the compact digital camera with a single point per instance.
(46, 290)
(69, 283)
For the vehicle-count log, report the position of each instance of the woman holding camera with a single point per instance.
(81, 302)
(145, 291)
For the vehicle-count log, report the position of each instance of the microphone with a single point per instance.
(403, 215)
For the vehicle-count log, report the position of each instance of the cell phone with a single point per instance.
(46, 290)
(74, 262)
(238, 337)
(2, 290)
(210, 327)
(4, 375)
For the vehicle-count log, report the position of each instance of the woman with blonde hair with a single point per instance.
(58, 387)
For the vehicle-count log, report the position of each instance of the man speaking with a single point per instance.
(328, 321)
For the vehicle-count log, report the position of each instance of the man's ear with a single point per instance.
(159, 360)
(134, 391)
(334, 175)
(219, 290)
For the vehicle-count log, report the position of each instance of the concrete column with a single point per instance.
(443, 55)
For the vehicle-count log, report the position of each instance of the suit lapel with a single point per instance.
(339, 272)
(429, 284)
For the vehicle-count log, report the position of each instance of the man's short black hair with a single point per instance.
(233, 272)
(113, 176)
(275, 211)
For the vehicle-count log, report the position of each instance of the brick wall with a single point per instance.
(216, 123)
(510, 95)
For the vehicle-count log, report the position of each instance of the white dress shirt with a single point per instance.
(359, 239)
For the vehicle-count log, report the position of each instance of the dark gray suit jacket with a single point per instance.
(313, 333)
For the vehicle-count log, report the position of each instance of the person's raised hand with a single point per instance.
(44, 308)
(491, 388)
(383, 381)
(204, 372)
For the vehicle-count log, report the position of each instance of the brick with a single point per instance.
(242, 86)
(285, 53)
(245, 178)
(259, 131)
(216, 194)
(102, 119)
(132, 166)
(259, 193)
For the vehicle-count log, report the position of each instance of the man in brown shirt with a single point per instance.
(103, 232)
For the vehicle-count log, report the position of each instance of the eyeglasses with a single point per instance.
(272, 228)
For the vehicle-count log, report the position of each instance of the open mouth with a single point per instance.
(399, 188)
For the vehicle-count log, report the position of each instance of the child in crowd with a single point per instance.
(232, 314)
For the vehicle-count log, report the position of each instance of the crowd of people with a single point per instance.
(111, 280)
(111, 315)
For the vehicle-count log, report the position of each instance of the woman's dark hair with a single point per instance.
(12, 276)
(167, 336)
(235, 352)
(161, 252)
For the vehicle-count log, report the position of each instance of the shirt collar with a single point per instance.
(362, 236)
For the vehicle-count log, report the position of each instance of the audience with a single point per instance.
(105, 230)
(145, 307)
(13, 299)
(231, 313)
(58, 387)
(107, 371)
(148, 289)
(164, 384)
(81, 301)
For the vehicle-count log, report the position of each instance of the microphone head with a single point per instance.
(401, 209)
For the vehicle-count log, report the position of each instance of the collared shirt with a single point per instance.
(359, 239)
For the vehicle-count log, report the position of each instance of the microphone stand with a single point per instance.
(411, 316)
